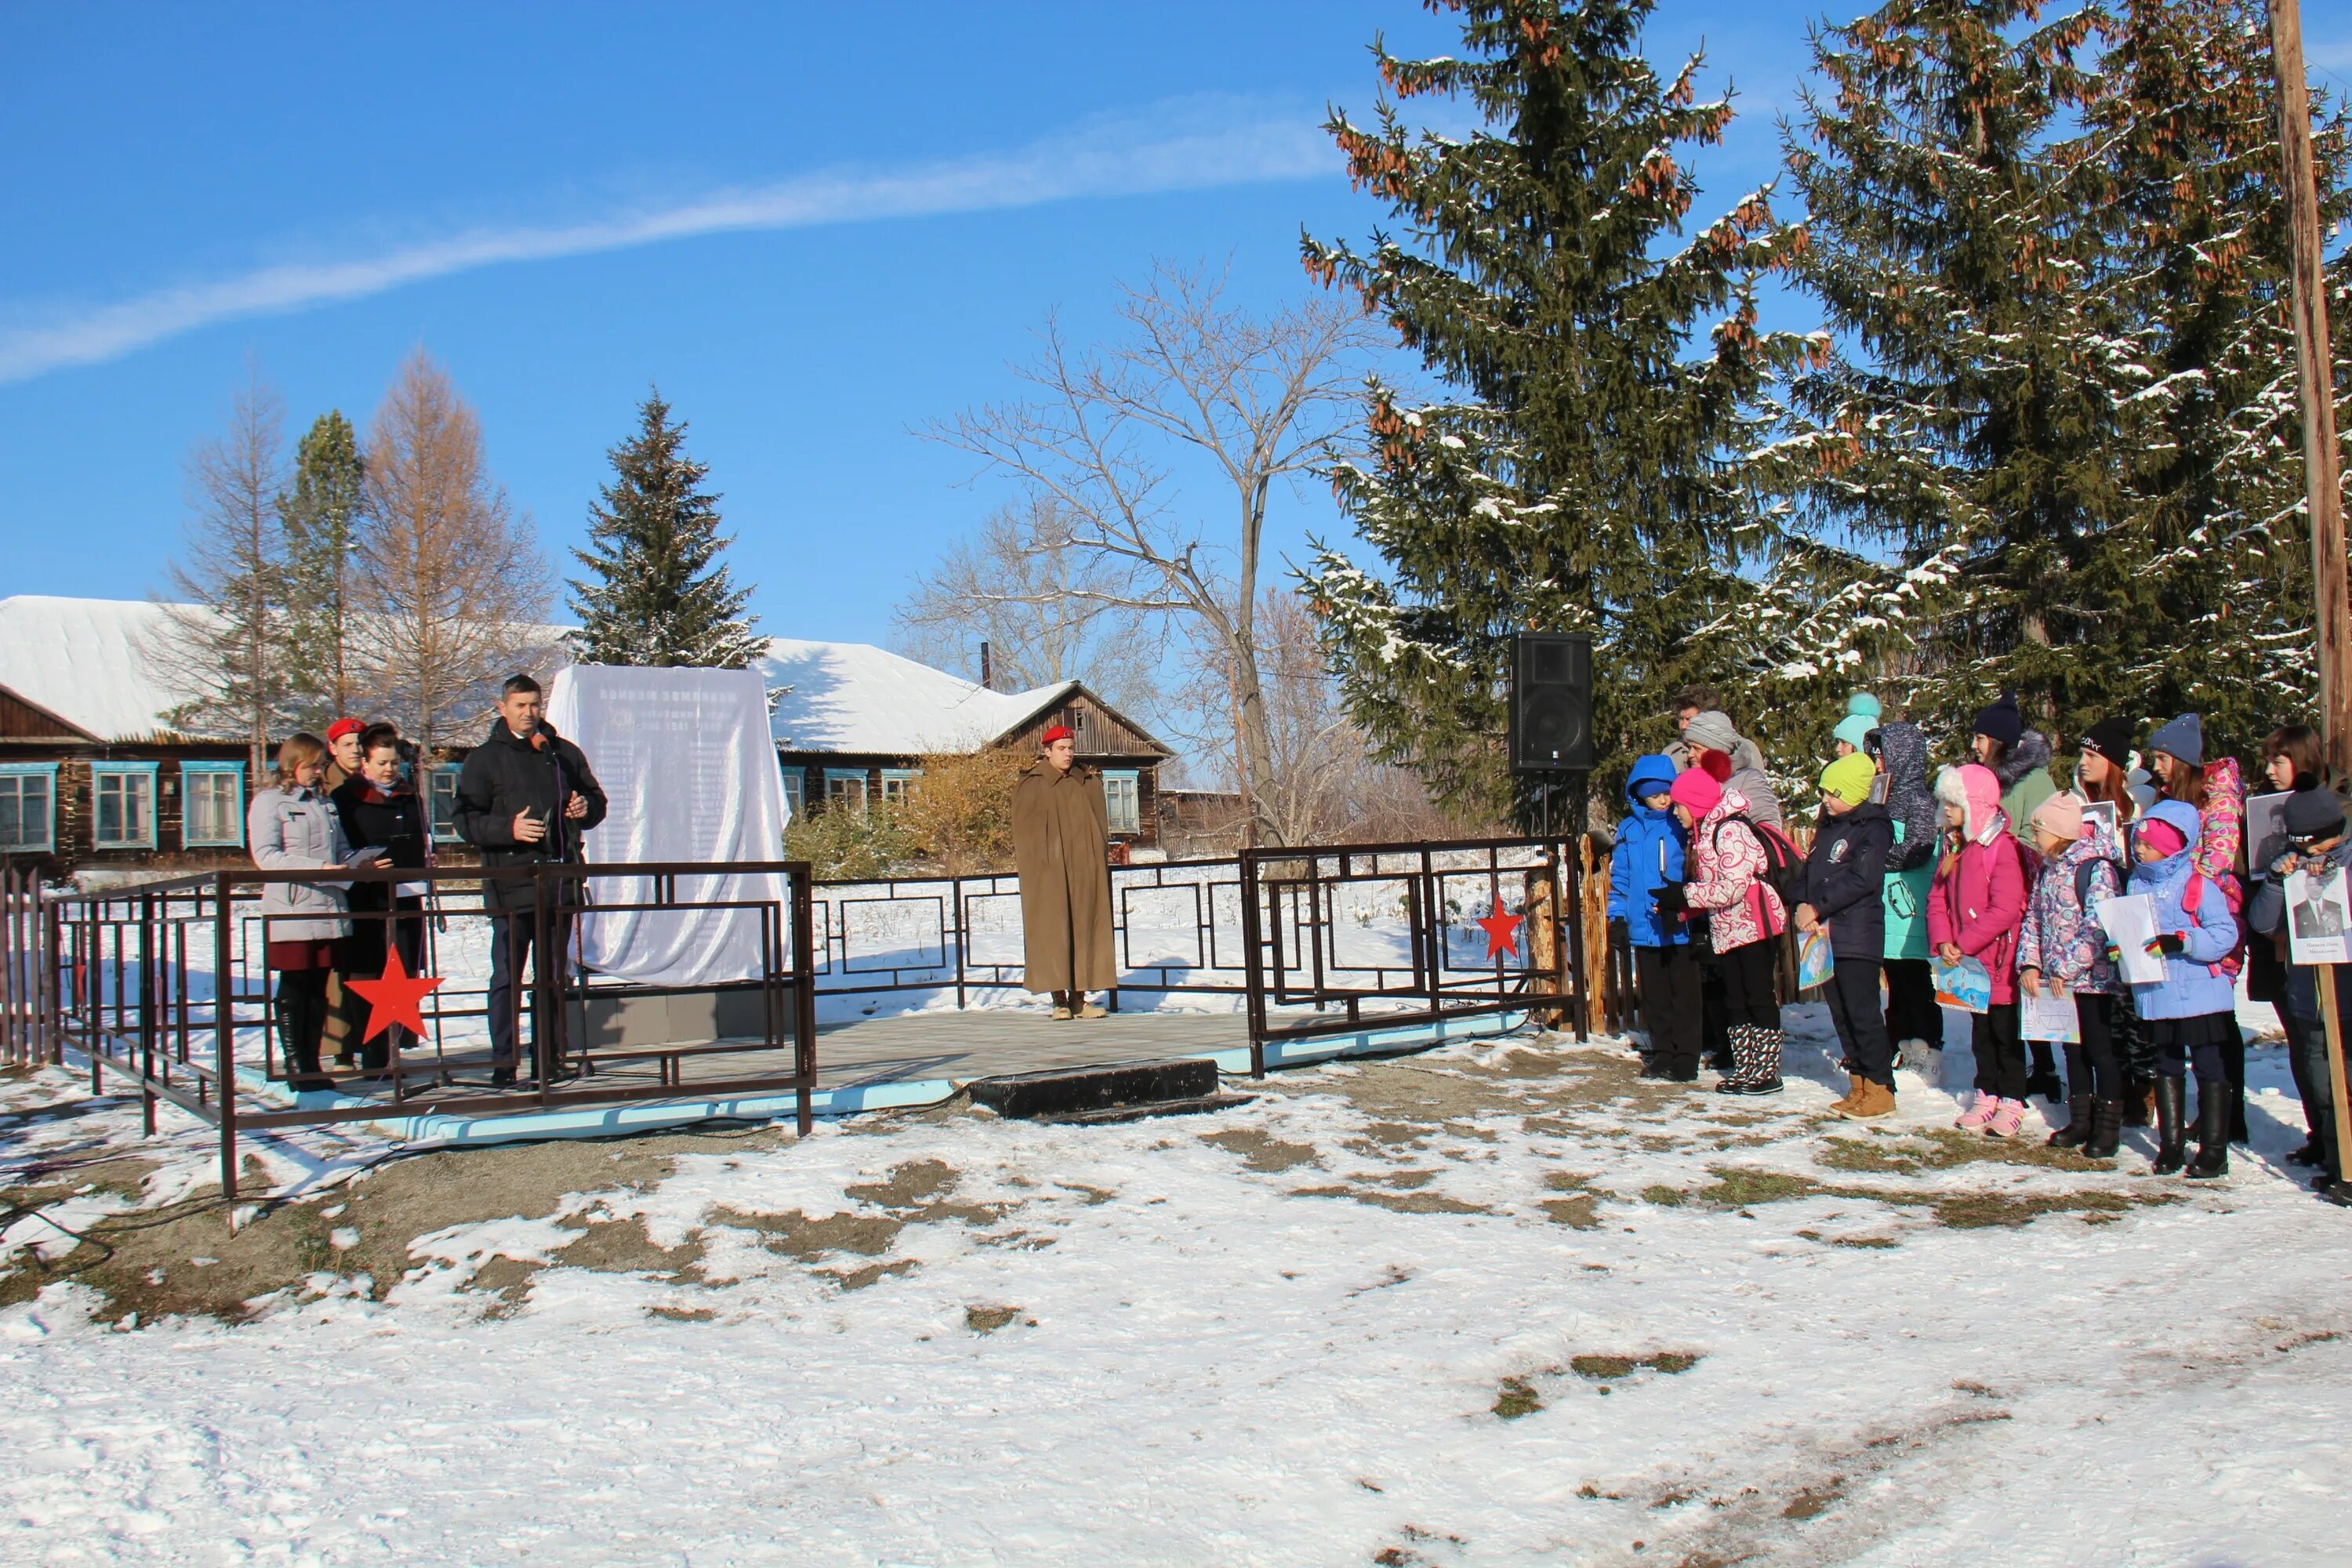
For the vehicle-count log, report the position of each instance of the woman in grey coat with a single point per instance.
(293, 826)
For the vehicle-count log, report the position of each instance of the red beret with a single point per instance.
(342, 727)
(1058, 732)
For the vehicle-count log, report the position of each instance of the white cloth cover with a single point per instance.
(689, 769)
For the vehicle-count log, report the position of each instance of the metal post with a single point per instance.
(804, 996)
(1252, 965)
(225, 1037)
(2343, 1107)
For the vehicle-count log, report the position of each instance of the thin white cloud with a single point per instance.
(1186, 146)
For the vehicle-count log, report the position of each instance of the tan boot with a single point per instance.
(1871, 1101)
(1853, 1092)
(1089, 1010)
(1062, 1012)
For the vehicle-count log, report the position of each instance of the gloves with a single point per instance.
(2171, 945)
(1621, 936)
(1673, 902)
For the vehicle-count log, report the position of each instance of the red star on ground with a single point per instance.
(396, 998)
(1502, 933)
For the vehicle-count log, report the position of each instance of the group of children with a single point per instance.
(1996, 878)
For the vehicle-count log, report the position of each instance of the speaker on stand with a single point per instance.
(1551, 704)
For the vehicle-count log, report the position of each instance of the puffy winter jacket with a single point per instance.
(1980, 902)
(2062, 938)
(2195, 983)
(297, 830)
(1649, 856)
(508, 774)
(2025, 783)
(1902, 751)
(1845, 880)
(1727, 879)
(1906, 902)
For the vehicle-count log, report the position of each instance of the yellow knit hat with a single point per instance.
(1848, 778)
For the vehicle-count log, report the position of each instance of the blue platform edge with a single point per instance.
(850, 1100)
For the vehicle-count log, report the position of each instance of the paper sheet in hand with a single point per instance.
(1964, 984)
(2048, 1017)
(1814, 962)
(2317, 913)
(689, 768)
(2265, 819)
(2130, 921)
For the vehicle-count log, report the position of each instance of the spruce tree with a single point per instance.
(1583, 474)
(1969, 431)
(656, 594)
(316, 517)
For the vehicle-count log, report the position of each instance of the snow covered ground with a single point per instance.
(1498, 1304)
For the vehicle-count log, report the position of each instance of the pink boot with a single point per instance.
(1974, 1119)
(2007, 1118)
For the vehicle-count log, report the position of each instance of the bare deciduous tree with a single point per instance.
(224, 639)
(1190, 383)
(454, 581)
(1044, 606)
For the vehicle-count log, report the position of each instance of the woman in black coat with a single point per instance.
(378, 810)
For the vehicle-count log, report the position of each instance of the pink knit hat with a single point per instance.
(2061, 816)
(2161, 836)
(1696, 790)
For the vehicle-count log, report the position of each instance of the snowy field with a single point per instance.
(1500, 1304)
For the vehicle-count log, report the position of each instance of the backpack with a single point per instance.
(2086, 871)
(1784, 868)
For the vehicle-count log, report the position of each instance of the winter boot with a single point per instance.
(2107, 1131)
(1743, 1053)
(1871, 1101)
(2212, 1132)
(1974, 1117)
(1853, 1092)
(2171, 1118)
(2078, 1131)
(2044, 1080)
(1760, 1073)
(2136, 1104)
(2008, 1117)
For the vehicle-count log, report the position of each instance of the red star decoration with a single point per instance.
(1502, 933)
(396, 998)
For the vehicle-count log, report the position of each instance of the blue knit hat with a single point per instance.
(1866, 705)
(1854, 729)
(2183, 738)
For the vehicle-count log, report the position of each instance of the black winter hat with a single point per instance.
(2312, 814)
(2002, 720)
(2112, 739)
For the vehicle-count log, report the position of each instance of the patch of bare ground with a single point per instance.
(145, 1260)
(988, 1319)
(1916, 1150)
(1260, 1150)
(1400, 1202)
(1735, 1188)
(1580, 1209)
(920, 1192)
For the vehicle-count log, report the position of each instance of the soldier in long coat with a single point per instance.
(1061, 838)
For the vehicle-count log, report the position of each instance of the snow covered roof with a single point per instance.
(855, 699)
(91, 662)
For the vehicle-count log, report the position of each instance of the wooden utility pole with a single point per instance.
(2331, 591)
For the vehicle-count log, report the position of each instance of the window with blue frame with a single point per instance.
(1123, 800)
(796, 792)
(845, 786)
(122, 804)
(441, 800)
(29, 806)
(212, 805)
(896, 782)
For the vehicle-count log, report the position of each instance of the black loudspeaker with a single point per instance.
(1551, 703)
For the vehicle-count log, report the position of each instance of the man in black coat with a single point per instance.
(1845, 887)
(524, 797)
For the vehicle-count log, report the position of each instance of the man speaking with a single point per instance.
(524, 796)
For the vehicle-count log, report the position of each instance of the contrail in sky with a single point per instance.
(1190, 145)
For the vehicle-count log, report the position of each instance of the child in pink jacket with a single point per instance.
(1974, 910)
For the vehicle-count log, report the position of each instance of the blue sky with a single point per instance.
(816, 229)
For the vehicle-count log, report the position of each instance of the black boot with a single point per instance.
(1741, 1051)
(2106, 1130)
(2078, 1131)
(2212, 1132)
(2172, 1125)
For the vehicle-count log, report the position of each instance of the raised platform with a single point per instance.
(888, 1062)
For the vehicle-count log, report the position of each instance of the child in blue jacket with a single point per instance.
(1650, 856)
(2191, 1013)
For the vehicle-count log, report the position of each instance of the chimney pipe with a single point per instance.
(987, 670)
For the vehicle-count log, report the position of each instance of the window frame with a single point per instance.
(101, 772)
(1133, 779)
(47, 772)
(845, 775)
(902, 777)
(189, 773)
(796, 792)
(434, 774)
